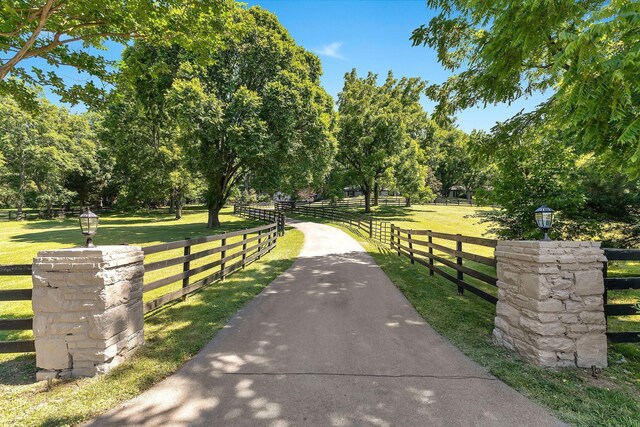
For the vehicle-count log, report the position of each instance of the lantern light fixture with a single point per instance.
(89, 225)
(544, 219)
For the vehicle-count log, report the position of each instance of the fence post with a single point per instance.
(430, 253)
(244, 248)
(391, 234)
(396, 237)
(370, 228)
(259, 242)
(410, 247)
(186, 266)
(223, 254)
(459, 262)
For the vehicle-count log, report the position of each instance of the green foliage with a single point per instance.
(532, 169)
(68, 33)
(377, 124)
(257, 107)
(410, 176)
(50, 158)
(584, 52)
(151, 166)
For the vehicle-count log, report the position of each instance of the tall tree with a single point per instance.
(259, 100)
(410, 175)
(151, 166)
(372, 122)
(452, 160)
(17, 137)
(583, 52)
(45, 153)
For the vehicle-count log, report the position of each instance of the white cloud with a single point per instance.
(331, 50)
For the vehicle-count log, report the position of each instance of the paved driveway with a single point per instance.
(331, 342)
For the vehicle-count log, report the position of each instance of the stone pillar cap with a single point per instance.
(84, 252)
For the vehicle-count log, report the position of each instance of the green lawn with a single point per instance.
(611, 399)
(173, 334)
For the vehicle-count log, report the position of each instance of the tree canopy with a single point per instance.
(584, 53)
(376, 124)
(256, 107)
(68, 33)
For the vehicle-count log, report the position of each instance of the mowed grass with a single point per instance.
(173, 333)
(610, 399)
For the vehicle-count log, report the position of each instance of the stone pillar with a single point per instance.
(88, 311)
(550, 302)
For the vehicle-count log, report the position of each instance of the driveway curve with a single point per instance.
(331, 342)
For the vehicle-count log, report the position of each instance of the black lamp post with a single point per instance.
(89, 226)
(544, 219)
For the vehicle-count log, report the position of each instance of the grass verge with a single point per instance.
(173, 335)
(573, 395)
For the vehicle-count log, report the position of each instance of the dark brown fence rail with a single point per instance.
(620, 284)
(267, 215)
(344, 203)
(29, 214)
(378, 230)
(19, 346)
(419, 246)
(235, 250)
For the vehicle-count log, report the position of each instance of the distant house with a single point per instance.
(355, 192)
(352, 192)
(459, 191)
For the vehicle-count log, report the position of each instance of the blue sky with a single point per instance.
(369, 35)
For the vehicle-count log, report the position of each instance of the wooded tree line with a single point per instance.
(225, 104)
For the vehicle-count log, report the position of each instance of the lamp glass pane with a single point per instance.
(539, 219)
(92, 224)
(547, 219)
(89, 223)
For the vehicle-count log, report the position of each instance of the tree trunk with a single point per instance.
(21, 184)
(367, 200)
(376, 192)
(214, 219)
(469, 196)
(172, 202)
(407, 202)
(179, 201)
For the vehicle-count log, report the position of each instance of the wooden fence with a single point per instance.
(354, 202)
(267, 215)
(378, 230)
(18, 346)
(617, 284)
(30, 214)
(412, 244)
(262, 239)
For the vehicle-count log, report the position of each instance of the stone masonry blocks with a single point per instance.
(550, 302)
(88, 311)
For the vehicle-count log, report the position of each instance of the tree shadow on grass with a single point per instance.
(18, 370)
(118, 218)
(109, 234)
